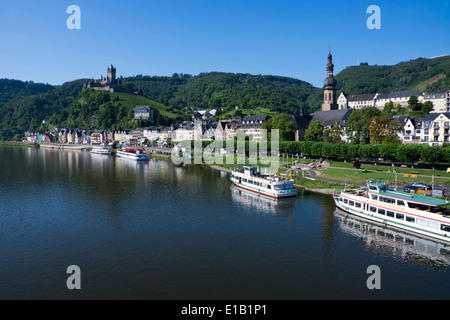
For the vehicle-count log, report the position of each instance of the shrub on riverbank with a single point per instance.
(20, 144)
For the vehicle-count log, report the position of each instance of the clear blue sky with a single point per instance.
(279, 37)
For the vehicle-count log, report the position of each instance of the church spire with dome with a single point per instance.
(329, 92)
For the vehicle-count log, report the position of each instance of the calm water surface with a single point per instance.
(156, 231)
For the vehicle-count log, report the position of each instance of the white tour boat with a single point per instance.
(249, 178)
(415, 213)
(133, 154)
(102, 150)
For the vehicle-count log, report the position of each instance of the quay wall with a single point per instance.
(64, 146)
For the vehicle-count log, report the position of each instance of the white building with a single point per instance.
(252, 126)
(143, 113)
(436, 129)
(398, 98)
(356, 101)
(440, 100)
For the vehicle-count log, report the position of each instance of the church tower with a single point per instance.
(329, 92)
(111, 74)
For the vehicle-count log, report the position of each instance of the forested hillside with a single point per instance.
(24, 105)
(219, 90)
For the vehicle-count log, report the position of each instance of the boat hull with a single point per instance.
(133, 156)
(274, 196)
(102, 151)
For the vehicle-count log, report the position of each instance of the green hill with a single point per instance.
(220, 90)
(421, 74)
(24, 105)
(94, 109)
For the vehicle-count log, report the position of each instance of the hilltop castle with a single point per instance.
(110, 83)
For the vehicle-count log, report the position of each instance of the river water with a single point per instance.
(157, 231)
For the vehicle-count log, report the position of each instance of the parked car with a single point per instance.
(421, 185)
(416, 186)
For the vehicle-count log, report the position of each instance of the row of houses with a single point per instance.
(440, 99)
(433, 129)
(163, 135)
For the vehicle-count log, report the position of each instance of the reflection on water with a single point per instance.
(409, 247)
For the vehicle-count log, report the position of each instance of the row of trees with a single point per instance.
(389, 152)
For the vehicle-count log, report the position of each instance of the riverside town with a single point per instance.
(325, 136)
(208, 154)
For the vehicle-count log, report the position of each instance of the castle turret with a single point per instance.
(111, 74)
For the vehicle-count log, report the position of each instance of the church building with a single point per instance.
(329, 92)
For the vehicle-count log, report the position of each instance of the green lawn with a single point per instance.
(361, 176)
(399, 170)
(319, 184)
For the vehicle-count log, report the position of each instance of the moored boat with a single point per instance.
(135, 154)
(415, 213)
(106, 150)
(249, 178)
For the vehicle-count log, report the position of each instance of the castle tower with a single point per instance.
(329, 92)
(111, 74)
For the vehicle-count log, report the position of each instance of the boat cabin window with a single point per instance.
(421, 222)
(373, 209)
(445, 227)
(399, 216)
(269, 186)
(345, 201)
(381, 211)
(410, 219)
(387, 200)
(433, 224)
(390, 214)
(352, 203)
(373, 188)
(357, 204)
(374, 197)
(400, 203)
(244, 180)
(418, 206)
